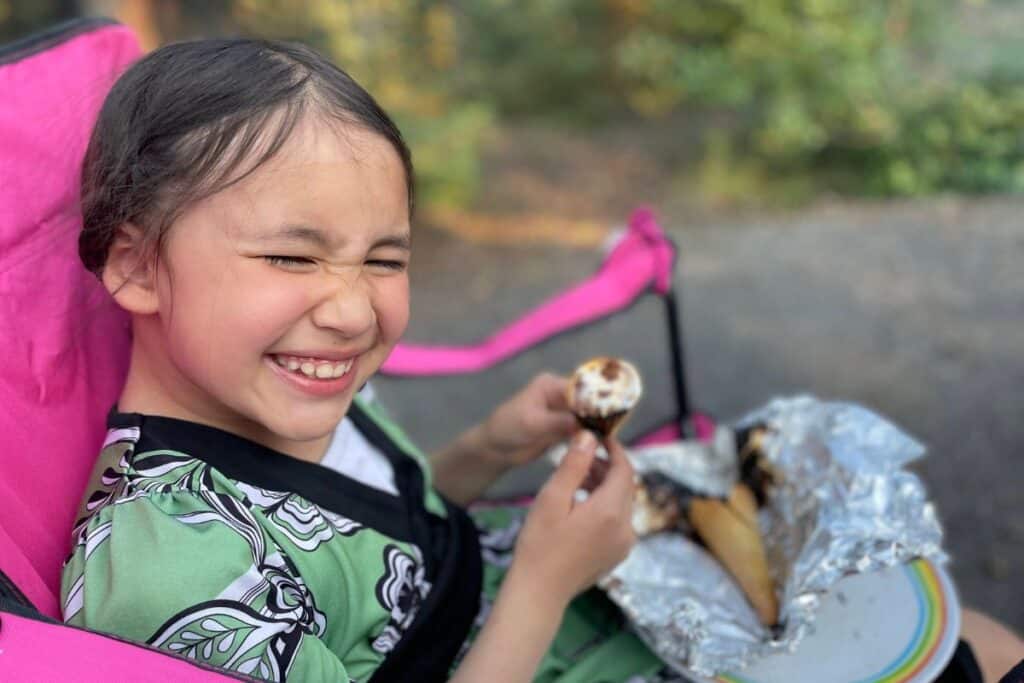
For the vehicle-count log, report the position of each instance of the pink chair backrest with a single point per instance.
(63, 342)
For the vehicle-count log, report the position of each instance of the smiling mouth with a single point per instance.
(313, 368)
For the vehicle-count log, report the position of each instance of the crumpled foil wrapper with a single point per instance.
(845, 505)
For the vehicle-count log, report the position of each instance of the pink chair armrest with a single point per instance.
(641, 261)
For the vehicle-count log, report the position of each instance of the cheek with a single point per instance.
(217, 317)
(392, 306)
(269, 308)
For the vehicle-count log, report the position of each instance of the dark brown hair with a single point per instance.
(192, 118)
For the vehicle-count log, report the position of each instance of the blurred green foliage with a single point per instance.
(845, 95)
(803, 95)
(794, 96)
(404, 52)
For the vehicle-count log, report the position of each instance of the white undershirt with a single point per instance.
(351, 454)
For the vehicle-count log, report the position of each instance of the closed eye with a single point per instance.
(388, 264)
(288, 261)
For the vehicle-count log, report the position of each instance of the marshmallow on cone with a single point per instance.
(602, 394)
(659, 504)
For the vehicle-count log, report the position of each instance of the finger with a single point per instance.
(610, 506)
(621, 469)
(552, 425)
(549, 418)
(617, 485)
(572, 470)
(553, 389)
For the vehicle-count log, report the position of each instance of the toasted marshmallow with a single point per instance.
(604, 386)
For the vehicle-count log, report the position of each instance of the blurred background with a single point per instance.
(842, 178)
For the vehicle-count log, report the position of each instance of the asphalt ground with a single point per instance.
(913, 309)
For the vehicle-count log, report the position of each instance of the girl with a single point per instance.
(249, 205)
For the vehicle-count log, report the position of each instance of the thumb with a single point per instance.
(573, 468)
(557, 424)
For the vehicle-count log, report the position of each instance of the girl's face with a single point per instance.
(281, 295)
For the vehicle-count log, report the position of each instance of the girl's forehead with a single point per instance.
(325, 175)
(314, 145)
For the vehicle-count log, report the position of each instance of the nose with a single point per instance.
(346, 307)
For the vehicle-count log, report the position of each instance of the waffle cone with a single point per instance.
(605, 426)
(730, 531)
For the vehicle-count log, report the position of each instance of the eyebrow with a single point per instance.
(320, 239)
(399, 241)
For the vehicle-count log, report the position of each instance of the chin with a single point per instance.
(306, 427)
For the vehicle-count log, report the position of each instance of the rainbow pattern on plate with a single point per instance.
(932, 618)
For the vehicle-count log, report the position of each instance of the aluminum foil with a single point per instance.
(711, 468)
(844, 505)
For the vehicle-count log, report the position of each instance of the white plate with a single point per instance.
(896, 626)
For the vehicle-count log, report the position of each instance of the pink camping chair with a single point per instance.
(66, 349)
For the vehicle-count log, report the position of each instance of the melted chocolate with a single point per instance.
(611, 370)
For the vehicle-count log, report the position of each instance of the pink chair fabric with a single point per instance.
(65, 347)
(31, 650)
(64, 343)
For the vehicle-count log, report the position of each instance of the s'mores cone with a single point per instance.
(659, 504)
(602, 394)
(730, 530)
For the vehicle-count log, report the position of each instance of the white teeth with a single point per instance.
(311, 368)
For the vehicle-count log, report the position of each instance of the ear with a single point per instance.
(130, 273)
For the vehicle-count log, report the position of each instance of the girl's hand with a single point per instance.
(524, 426)
(563, 548)
(566, 546)
(518, 431)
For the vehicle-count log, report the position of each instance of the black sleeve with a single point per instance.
(1015, 675)
(962, 668)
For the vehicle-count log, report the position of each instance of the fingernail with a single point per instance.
(584, 440)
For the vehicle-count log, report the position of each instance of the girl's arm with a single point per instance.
(519, 630)
(517, 432)
(564, 547)
(467, 466)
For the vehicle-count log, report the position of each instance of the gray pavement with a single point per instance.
(914, 309)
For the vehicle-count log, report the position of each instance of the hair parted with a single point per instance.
(192, 118)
